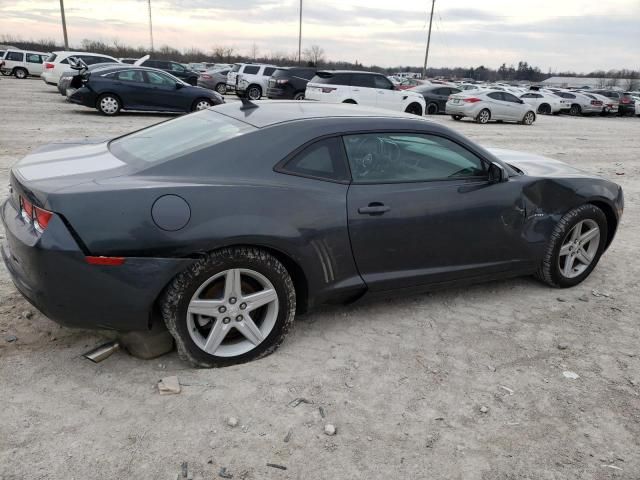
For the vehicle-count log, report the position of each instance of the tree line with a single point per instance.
(313, 56)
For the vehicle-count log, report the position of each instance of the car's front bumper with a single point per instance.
(52, 273)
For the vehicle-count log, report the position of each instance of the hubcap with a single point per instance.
(242, 295)
(109, 105)
(202, 105)
(254, 94)
(579, 248)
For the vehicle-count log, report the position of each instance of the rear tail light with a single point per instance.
(596, 102)
(205, 76)
(36, 216)
(472, 100)
(109, 261)
(328, 89)
(48, 65)
(625, 100)
(282, 81)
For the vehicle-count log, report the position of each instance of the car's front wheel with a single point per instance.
(21, 73)
(575, 247)
(233, 306)
(414, 109)
(254, 92)
(108, 104)
(299, 96)
(201, 104)
(221, 88)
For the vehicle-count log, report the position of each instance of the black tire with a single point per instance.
(351, 102)
(414, 109)
(529, 118)
(6, 73)
(484, 116)
(549, 269)
(221, 88)
(254, 92)
(197, 104)
(544, 109)
(108, 111)
(457, 118)
(20, 73)
(432, 108)
(575, 110)
(175, 300)
(299, 96)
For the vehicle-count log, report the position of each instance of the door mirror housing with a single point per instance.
(179, 86)
(497, 173)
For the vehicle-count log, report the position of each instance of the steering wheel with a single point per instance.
(367, 155)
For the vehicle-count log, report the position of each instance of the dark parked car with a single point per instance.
(67, 78)
(127, 87)
(626, 103)
(226, 222)
(214, 80)
(174, 68)
(289, 83)
(435, 96)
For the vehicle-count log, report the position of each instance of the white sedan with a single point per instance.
(486, 105)
(546, 103)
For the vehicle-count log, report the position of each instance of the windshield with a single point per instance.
(177, 138)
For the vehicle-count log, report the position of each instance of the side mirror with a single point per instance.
(497, 173)
(179, 86)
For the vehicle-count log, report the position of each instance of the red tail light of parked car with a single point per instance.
(471, 100)
(38, 217)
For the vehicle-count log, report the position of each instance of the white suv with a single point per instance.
(364, 88)
(22, 63)
(249, 79)
(58, 62)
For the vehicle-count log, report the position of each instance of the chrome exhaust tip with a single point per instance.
(102, 352)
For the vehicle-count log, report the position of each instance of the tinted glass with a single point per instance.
(362, 80)
(454, 90)
(177, 138)
(268, 71)
(333, 79)
(323, 159)
(251, 69)
(528, 95)
(399, 157)
(14, 56)
(495, 95)
(130, 76)
(155, 78)
(34, 58)
(510, 98)
(52, 57)
(176, 67)
(382, 82)
(235, 68)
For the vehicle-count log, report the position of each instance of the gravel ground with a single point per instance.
(460, 384)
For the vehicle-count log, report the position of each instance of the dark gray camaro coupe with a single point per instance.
(225, 222)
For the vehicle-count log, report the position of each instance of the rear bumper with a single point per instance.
(464, 109)
(279, 94)
(83, 96)
(51, 272)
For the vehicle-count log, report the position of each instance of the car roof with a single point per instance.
(69, 54)
(271, 112)
(349, 71)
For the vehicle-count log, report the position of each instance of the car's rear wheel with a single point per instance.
(544, 109)
(20, 73)
(6, 73)
(575, 110)
(221, 88)
(299, 96)
(414, 109)
(233, 306)
(201, 104)
(456, 117)
(432, 108)
(575, 247)
(254, 92)
(484, 116)
(529, 118)
(108, 104)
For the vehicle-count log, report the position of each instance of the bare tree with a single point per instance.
(228, 53)
(314, 54)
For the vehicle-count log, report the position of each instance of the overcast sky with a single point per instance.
(580, 35)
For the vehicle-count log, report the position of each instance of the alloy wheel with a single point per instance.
(528, 118)
(254, 93)
(484, 116)
(20, 73)
(232, 312)
(432, 109)
(221, 88)
(579, 248)
(109, 105)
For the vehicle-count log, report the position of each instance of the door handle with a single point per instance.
(374, 208)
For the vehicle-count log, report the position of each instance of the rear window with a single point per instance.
(235, 68)
(177, 138)
(332, 78)
(268, 71)
(52, 57)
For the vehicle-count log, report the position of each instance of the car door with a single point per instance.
(515, 107)
(421, 210)
(363, 89)
(497, 105)
(162, 92)
(387, 95)
(34, 63)
(133, 89)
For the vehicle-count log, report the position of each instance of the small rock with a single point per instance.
(369, 439)
(288, 436)
(224, 474)
(275, 465)
(484, 409)
(10, 338)
(506, 389)
(232, 422)
(169, 386)
(27, 314)
(571, 375)
(562, 300)
(583, 298)
(329, 429)
(563, 346)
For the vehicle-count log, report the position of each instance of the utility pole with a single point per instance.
(150, 26)
(300, 36)
(64, 26)
(426, 55)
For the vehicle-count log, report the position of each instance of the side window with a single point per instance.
(495, 95)
(34, 58)
(381, 82)
(130, 76)
(307, 74)
(362, 80)
(268, 71)
(510, 98)
(176, 67)
(14, 56)
(408, 157)
(528, 95)
(251, 69)
(322, 159)
(340, 79)
(157, 79)
(454, 91)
